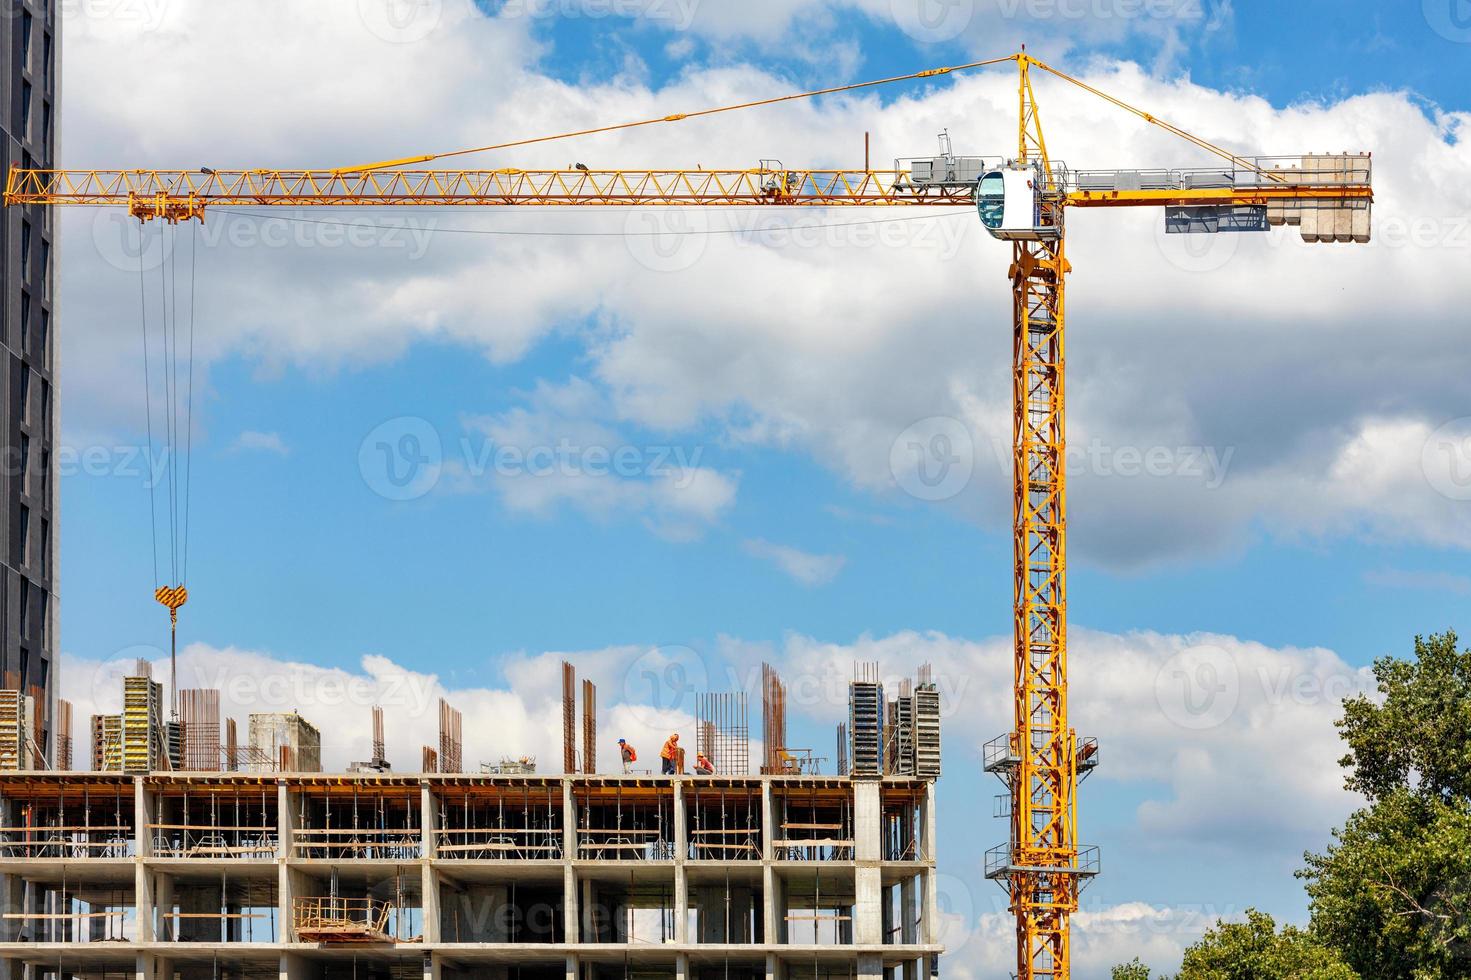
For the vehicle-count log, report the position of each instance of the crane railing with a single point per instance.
(185, 193)
(181, 194)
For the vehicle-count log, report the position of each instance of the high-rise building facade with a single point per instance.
(30, 38)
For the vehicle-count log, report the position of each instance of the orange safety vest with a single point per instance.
(671, 747)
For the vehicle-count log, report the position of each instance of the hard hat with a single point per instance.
(621, 742)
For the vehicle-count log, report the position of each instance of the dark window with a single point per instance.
(23, 550)
(25, 110)
(45, 672)
(25, 393)
(46, 474)
(25, 251)
(45, 332)
(25, 39)
(46, 128)
(25, 321)
(25, 655)
(45, 405)
(45, 561)
(46, 50)
(45, 266)
(25, 459)
(45, 621)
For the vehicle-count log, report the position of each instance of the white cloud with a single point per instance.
(829, 342)
(802, 566)
(559, 449)
(1197, 721)
(269, 442)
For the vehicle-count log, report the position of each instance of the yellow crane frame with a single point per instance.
(1041, 866)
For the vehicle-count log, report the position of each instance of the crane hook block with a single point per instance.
(172, 598)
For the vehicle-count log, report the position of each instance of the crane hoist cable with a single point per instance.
(174, 436)
(1022, 57)
(670, 118)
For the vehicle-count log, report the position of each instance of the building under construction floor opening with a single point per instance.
(383, 876)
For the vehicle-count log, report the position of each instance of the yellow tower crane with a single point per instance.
(1022, 199)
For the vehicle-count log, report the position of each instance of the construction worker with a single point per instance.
(670, 755)
(703, 765)
(628, 755)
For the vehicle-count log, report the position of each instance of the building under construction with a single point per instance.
(252, 864)
(304, 876)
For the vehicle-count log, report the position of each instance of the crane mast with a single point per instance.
(1041, 870)
(1022, 200)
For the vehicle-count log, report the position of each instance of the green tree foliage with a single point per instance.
(1252, 950)
(1393, 892)
(1419, 737)
(1255, 950)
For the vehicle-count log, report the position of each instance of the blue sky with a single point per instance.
(787, 375)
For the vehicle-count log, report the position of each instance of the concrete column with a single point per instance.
(870, 966)
(681, 879)
(868, 919)
(929, 882)
(293, 884)
(429, 880)
(768, 820)
(908, 924)
(163, 900)
(294, 967)
(773, 967)
(569, 822)
(927, 823)
(285, 877)
(868, 833)
(428, 821)
(682, 966)
(285, 823)
(429, 885)
(571, 967)
(432, 969)
(143, 900)
(571, 905)
(773, 907)
(145, 966)
(145, 812)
